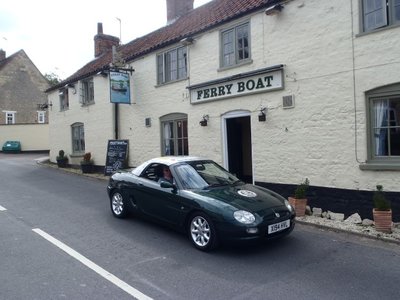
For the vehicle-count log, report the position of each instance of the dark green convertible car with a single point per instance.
(202, 199)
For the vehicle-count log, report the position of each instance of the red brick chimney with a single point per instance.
(2, 54)
(103, 42)
(177, 8)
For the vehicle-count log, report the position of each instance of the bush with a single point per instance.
(301, 190)
(61, 156)
(87, 159)
(380, 202)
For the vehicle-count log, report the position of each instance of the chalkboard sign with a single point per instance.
(117, 156)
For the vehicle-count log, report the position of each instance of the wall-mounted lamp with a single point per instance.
(204, 121)
(102, 73)
(274, 9)
(187, 41)
(72, 86)
(262, 115)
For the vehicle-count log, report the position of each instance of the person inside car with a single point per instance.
(166, 175)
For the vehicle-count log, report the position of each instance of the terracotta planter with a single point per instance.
(299, 206)
(383, 220)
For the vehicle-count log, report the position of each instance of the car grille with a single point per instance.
(276, 213)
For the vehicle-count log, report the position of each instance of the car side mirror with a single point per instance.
(168, 185)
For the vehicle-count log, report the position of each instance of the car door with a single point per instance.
(164, 204)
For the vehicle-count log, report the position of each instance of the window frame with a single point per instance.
(376, 162)
(64, 99)
(10, 114)
(180, 143)
(41, 116)
(87, 91)
(234, 30)
(388, 15)
(167, 73)
(80, 128)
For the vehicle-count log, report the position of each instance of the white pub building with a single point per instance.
(274, 91)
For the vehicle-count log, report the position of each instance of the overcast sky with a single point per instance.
(58, 35)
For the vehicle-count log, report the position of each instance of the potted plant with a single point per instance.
(382, 211)
(87, 164)
(299, 201)
(62, 160)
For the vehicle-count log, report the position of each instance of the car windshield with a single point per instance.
(204, 174)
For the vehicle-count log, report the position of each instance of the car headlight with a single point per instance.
(288, 205)
(244, 217)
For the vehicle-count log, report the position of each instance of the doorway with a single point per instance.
(237, 145)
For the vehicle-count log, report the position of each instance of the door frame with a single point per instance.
(232, 115)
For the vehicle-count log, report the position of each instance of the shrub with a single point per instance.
(301, 190)
(380, 202)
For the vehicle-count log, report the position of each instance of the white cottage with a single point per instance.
(275, 91)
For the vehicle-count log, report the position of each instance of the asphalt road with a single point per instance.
(59, 240)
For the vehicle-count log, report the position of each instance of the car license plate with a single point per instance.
(278, 226)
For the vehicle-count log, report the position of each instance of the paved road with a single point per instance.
(58, 240)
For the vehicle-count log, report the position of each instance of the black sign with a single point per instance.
(117, 156)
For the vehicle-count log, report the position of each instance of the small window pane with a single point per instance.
(374, 14)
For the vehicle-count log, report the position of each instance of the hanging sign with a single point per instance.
(119, 88)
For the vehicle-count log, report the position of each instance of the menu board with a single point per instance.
(117, 156)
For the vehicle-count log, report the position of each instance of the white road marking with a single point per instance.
(2, 208)
(91, 265)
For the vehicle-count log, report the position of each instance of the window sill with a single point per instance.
(378, 30)
(379, 166)
(87, 103)
(171, 82)
(247, 62)
(77, 155)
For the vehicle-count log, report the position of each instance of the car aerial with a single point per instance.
(203, 200)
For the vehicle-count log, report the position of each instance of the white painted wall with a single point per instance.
(33, 137)
(317, 138)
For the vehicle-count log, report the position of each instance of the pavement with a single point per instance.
(367, 231)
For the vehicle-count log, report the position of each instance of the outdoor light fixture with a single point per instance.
(273, 10)
(72, 86)
(204, 121)
(262, 115)
(187, 41)
(102, 73)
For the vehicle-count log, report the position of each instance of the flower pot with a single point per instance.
(383, 220)
(87, 168)
(299, 206)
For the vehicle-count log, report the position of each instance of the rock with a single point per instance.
(354, 219)
(325, 215)
(336, 216)
(308, 210)
(367, 222)
(317, 212)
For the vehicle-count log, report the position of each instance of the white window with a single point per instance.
(10, 117)
(172, 65)
(235, 45)
(41, 117)
(174, 132)
(384, 126)
(78, 138)
(380, 13)
(87, 91)
(64, 99)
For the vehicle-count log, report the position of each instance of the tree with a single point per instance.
(52, 78)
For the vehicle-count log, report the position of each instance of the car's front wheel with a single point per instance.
(202, 232)
(118, 205)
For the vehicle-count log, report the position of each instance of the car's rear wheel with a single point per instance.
(118, 205)
(202, 232)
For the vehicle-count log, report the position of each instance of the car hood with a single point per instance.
(246, 197)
